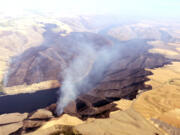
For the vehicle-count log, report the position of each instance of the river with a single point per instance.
(27, 102)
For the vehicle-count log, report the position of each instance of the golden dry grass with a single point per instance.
(172, 117)
(168, 49)
(123, 104)
(31, 88)
(126, 122)
(165, 52)
(64, 120)
(55, 125)
(8, 129)
(164, 98)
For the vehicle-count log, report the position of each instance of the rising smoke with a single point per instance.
(84, 71)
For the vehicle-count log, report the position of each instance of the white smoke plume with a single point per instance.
(77, 76)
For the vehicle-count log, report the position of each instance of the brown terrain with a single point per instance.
(44, 63)
(137, 94)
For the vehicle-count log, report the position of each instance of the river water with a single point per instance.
(27, 102)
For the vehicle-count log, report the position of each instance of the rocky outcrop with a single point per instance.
(10, 123)
(16, 123)
(12, 118)
(41, 114)
(119, 123)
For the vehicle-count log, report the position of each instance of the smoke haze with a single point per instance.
(136, 8)
(84, 71)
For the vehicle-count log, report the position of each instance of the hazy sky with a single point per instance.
(123, 7)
